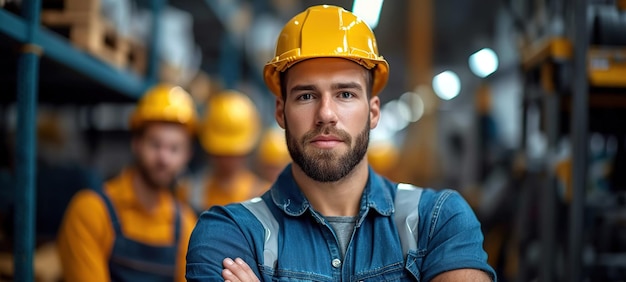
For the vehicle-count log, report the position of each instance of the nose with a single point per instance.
(327, 111)
(164, 154)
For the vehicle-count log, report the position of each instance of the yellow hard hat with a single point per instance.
(231, 125)
(382, 156)
(168, 103)
(326, 31)
(273, 148)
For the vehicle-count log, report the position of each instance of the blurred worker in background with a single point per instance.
(383, 156)
(273, 155)
(229, 133)
(133, 229)
(329, 216)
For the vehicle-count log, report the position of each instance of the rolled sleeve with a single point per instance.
(455, 240)
(217, 236)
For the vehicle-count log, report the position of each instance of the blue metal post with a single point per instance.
(27, 81)
(152, 74)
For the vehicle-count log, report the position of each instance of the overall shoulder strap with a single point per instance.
(261, 211)
(406, 215)
(177, 222)
(111, 209)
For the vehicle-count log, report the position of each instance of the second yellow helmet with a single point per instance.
(231, 125)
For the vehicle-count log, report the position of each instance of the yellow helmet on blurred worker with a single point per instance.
(382, 156)
(273, 148)
(326, 31)
(168, 103)
(231, 125)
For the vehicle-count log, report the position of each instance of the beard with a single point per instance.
(325, 165)
(155, 178)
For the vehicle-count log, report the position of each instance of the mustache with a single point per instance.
(327, 130)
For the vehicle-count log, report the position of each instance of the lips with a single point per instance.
(326, 141)
(326, 138)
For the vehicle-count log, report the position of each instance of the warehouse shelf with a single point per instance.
(555, 48)
(58, 49)
(607, 66)
(579, 92)
(38, 65)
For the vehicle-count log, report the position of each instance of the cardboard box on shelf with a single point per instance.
(82, 23)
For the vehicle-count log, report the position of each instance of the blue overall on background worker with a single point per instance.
(133, 229)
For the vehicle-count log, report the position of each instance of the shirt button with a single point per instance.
(336, 263)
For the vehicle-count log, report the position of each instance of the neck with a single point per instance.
(146, 194)
(227, 173)
(340, 198)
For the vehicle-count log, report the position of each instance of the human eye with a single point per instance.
(305, 97)
(346, 95)
(154, 144)
(175, 148)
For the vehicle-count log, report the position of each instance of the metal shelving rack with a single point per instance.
(560, 78)
(37, 41)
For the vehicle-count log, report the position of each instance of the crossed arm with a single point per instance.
(238, 271)
(447, 249)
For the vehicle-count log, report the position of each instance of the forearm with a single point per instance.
(468, 275)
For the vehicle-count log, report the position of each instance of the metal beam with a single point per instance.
(12, 25)
(152, 73)
(421, 141)
(579, 127)
(27, 81)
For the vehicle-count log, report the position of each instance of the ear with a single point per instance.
(134, 144)
(190, 149)
(374, 111)
(279, 114)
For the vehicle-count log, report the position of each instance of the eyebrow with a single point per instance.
(335, 86)
(307, 87)
(346, 85)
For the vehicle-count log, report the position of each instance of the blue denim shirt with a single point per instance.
(449, 238)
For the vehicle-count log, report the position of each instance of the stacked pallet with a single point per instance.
(82, 23)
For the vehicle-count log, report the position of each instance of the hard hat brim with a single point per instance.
(272, 70)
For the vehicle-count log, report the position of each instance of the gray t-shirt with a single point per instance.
(343, 226)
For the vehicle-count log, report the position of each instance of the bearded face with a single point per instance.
(161, 151)
(326, 165)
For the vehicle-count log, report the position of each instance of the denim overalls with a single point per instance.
(135, 261)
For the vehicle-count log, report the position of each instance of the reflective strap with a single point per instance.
(406, 215)
(262, 213)
(197, 191)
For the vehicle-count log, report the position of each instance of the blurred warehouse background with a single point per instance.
(518, 104)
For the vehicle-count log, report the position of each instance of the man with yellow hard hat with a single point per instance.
(133, 229)
(329, 216)
(229, 133)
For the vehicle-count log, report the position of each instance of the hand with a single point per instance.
(237, 271)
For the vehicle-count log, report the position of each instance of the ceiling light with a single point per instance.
(484, 62)
(447, 85)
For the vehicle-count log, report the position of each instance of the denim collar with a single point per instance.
(288, 197)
